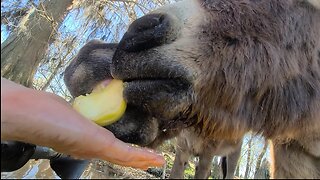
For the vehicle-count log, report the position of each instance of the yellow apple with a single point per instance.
(105, 105)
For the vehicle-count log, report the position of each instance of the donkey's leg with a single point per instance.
(292, 160)
(204, 166)
(232, 161)
(181, 159)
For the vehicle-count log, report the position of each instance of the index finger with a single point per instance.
(127, 155)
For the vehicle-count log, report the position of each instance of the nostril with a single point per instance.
(152, 22)
(147, 32)
(146, 22)
(162, 17)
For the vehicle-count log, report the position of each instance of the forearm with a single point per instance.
(45, 119)
(35, 116)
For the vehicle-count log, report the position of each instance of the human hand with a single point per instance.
(45, 119)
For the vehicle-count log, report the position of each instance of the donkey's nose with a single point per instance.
(147, 32)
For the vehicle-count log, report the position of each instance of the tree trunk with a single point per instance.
(246, 174)
(22, 52)
(263, 171)
(52, 75)
(215, 169)
(259, 160)
(238, 171)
